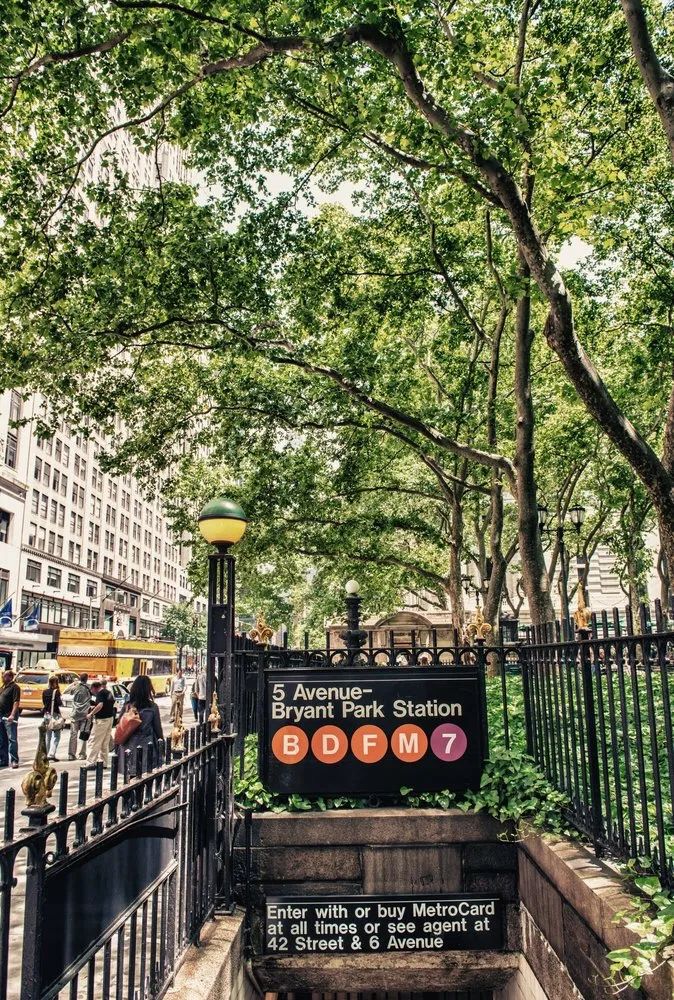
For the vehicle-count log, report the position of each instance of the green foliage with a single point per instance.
(512, 790)
(184, 626)
(652, 920)
(228, 320)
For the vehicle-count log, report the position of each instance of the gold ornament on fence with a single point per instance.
(178, 731)
(214, 717)
(477, 627)
(582, 616)
(38, 784)
(262, 632)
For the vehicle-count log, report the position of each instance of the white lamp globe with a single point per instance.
(352, 587)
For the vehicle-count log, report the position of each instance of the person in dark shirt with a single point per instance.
(10, 702)
(102, 713)
(147, 736)
(51, 709)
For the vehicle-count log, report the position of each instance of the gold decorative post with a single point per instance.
(38, 784)
(262, 632)
(178, 733)
(477, 627)
(214, 717)
(582, 616)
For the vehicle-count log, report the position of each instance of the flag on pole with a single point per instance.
(31, 622)
(6, 616)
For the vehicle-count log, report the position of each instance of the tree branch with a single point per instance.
(659, 83)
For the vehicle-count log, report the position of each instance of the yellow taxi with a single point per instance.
(33, 682)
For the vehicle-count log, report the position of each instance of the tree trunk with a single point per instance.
(665, 583)
(454, 578)
(666, 529)
(499, 564)
(534, 572)
(659, 82)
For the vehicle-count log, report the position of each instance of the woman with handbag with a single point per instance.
(140, 725)
(51, 711)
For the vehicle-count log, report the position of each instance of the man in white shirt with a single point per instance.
(200, 691)
(177, 694)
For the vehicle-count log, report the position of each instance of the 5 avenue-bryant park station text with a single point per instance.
(373, 730)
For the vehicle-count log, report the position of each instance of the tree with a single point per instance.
(185, 627)
(524, 110)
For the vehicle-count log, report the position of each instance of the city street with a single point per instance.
(28, 733)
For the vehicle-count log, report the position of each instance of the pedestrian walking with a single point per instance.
(177, 694)
(102, 714)
(51, 713)
(10, 707)
(147, 735)
(78, 718)
(194, 700)
(200, 690)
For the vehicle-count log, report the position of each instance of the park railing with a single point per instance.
(103, 900)
(599, 723)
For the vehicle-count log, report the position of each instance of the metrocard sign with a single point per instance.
(371, 731)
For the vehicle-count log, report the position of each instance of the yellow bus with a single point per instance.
(98, 652)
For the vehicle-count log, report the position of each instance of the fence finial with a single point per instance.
(214, 717)
(178, 732)
(38, 784)
(477, 627)
(262, 633)
(582, 616)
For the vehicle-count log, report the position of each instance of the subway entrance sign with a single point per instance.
(373, 731)
(302, 925)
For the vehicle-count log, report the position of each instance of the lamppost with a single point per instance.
(577, 515)
(222, 523)
(468, 585)
(353, 635)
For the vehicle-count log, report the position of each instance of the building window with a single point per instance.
(4, 585)
(64, 486)
(10, 449)
(37, 471)
(62, 516)
(58, 449)
(73, 583)
(33, 570)
(92, 588)
(41, 537)
(59, 545)
(15, 406)
(53, 576)
(4, 525)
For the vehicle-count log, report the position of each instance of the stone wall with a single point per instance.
(387, 851)
(561, 906)
(216, 969)
(570, 902)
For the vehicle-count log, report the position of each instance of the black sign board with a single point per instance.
(355, 732)
(312, 925)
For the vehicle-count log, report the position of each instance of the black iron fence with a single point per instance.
(599, 723)
(104, 899)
